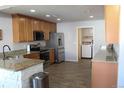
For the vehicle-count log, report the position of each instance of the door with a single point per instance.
(85, 35)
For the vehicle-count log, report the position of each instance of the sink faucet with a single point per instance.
(4, 56)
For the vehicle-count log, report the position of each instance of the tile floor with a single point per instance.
(70, 74)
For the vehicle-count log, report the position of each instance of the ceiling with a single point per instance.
(67, 13)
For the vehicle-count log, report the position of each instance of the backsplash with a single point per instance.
(17, 46)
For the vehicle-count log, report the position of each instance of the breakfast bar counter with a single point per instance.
(16, 72)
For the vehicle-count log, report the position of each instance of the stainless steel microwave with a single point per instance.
(37, 35)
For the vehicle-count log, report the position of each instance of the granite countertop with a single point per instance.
(19, 63)
(105, 55)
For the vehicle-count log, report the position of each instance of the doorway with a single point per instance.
(85, 42)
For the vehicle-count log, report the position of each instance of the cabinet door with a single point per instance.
(0, 34)
(29, 29)
(104, 75)
(36, 25)
(46, 35)
(112, 13)
(42, 26)
(52, 59)
(46, 30)
(22, 29)
(46, 26)
(53, 27)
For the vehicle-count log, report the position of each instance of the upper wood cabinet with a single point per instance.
(1, 34)
(42, 26)
(29, 29)
(36, 25)
(23, 27)
(19, 29)
(46, 30)
(53, 27)
(112, 14)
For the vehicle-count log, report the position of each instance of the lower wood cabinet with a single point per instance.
(104, 75)
(32, 56)
(51, 56)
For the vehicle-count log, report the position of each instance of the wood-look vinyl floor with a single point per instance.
(70, 74)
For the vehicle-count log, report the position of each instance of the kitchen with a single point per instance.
(69, 43)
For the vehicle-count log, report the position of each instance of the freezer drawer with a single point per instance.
(86, 51)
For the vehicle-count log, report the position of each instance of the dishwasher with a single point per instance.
(86, 50)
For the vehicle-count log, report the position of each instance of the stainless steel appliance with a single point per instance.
(57, 42)
(44, 54)
(37, 35)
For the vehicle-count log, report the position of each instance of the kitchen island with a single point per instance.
(104, 69)
(16, 72)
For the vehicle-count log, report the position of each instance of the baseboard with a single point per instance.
(71, 60)
(86, 57)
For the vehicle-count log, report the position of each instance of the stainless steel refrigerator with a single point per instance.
(57, 42)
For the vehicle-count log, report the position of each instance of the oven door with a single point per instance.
(44, 56)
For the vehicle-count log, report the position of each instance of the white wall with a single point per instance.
(6, 26)
(69, 30)
(121, 51)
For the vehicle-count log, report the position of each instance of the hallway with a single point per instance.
(70, 74)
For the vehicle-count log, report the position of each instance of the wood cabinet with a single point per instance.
(51, 56)
(112, 14)
(104, 75)
(32, 56)
(42, 26)
(53, 27)
(1, 36)
(36, 25)
(29, 30)
(19, 29)
(46, 30)
(23, 27)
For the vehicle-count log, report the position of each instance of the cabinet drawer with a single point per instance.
(33, 56)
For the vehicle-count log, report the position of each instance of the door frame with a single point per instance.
(77, 29)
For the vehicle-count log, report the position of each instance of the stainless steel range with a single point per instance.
(44, 54)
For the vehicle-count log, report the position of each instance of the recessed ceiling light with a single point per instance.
(91, 16)
(47, 15)
(32, 10)
(58, 19)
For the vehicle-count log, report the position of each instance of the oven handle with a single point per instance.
(45, 52)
